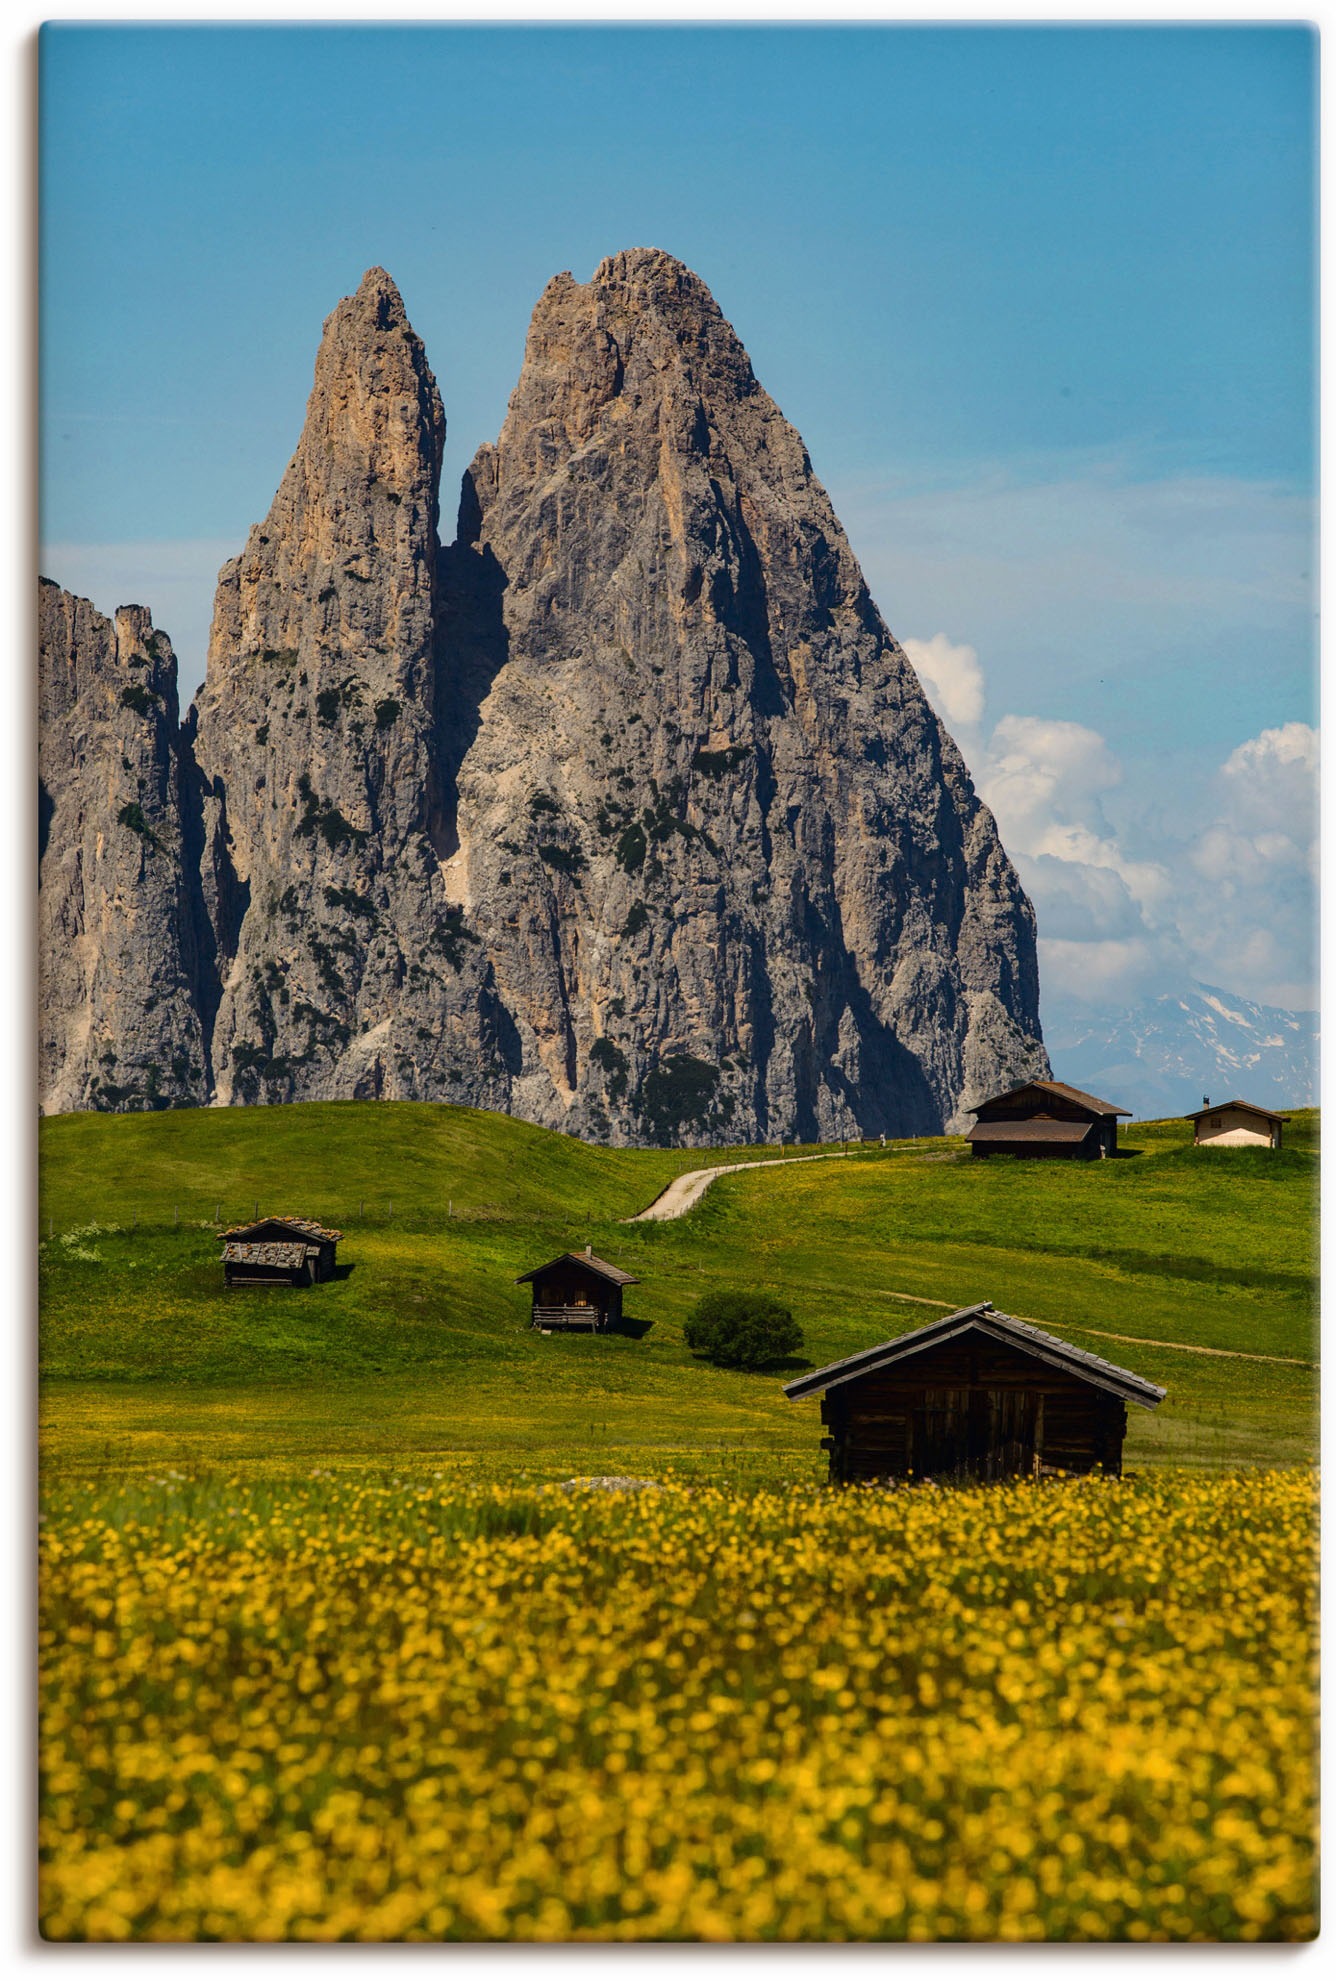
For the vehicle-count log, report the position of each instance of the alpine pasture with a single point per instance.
(332, 1650)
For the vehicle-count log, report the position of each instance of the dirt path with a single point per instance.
(1103, 1334)
(685, 1191)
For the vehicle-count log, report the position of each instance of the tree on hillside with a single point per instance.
(742, 1330)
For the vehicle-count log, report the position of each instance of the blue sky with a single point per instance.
(1040, 302)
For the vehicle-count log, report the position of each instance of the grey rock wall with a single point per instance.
(119, 1022)
(625, 813)
(708, 816)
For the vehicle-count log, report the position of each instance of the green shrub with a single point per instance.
(742, 1330)
(718, 763)
(566, 859)
(681, 1095)
(631, 849)
(326, 819)
(133, 816)
(614, 1063)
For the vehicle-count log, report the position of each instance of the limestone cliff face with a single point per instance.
(731, 872)
(119, 1019)
(350, 972)
(624, 814)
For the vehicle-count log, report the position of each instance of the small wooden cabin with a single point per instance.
(279, 1251)
(976, 1395)
(577, 1291)
(1046, 1118)
(1237, 1125)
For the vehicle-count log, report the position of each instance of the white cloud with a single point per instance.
(1085, 532)
(952, 679)
(1229, 899)
(1252, 913)
(1141, 600)
(1044, 782)
(1099, 972)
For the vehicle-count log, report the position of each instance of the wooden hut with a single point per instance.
(1046, 1118)
(279, 1251)
(976, 1395)
(577, 1291)
(1237, 1125)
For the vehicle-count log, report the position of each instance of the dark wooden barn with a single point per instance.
(1046, 1118)
(279, 1251)
(976, 1395)
(577, 1291)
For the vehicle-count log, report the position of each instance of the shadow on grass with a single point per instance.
(787, 1365)
(343, 1272)
(631, 1325)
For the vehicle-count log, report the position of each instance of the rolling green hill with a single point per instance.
(422, 1354)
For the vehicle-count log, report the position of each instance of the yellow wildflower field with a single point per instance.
(339, 1709)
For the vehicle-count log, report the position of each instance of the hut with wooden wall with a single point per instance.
(577, 1290)
(1236, 1125)
(1046, 1118)
(279, 1251)
(976, 1395)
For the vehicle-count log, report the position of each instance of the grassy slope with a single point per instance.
(422, 1351)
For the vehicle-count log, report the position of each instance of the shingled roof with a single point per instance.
(984, 1319)
(613, 1274)
(307, 1227)
(1034, 1129)
(291, 1257)
(1058, 1087)
(1249, 1107)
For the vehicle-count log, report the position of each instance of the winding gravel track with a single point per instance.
(685, 1191)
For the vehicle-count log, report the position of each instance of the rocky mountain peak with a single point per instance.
(758, 853)
(318, 722)
(119, 928)
(625, 813)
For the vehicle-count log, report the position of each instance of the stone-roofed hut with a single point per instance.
(1237, 1125)
(279, 1251)
(1046, 1118)
(975, 1395)
(577, 1291)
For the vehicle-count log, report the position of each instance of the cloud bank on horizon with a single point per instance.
(1124, 914)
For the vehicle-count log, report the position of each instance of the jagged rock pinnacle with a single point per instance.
(625, 813)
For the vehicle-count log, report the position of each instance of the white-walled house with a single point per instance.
(1237, 1125)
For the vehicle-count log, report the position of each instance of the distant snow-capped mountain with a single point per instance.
(1165, 1055)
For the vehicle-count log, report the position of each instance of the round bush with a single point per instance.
(742, 1330)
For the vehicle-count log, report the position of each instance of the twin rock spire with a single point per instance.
(624, 813)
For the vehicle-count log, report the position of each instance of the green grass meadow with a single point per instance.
(420, 1356)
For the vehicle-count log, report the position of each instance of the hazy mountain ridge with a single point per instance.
(1163, 1055)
